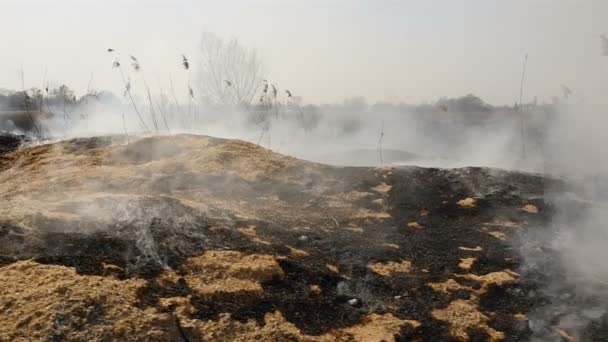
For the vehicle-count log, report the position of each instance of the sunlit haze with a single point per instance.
(325, 51)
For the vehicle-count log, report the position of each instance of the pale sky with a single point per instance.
(323, 50)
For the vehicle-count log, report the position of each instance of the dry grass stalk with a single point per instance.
(177, 105)
(186, 65)
(116, 64)
(380, 144)
(137, 67)
(521, 93)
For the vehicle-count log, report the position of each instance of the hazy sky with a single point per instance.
(324, 50)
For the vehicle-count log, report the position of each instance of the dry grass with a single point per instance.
(382, 188)
(471, 249)
(448, 286)
(415, 225)
(467, 202)
(390, 268)
(69, 306)
(228, 271)
(462, 316)
(96, 176)
(39, 301)
(466, 263)
(530, 209)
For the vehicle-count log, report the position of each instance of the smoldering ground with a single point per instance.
(569, 251)
(559, 141)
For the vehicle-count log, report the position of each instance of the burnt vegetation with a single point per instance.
(447, 229)
(442, 251)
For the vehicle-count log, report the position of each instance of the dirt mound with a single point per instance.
(196, 238)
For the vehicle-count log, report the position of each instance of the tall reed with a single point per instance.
(137, 67)
(380, 140)
(521, 93)
(116, 64)
(186, 65)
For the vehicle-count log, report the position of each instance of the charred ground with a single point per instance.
(216, 237)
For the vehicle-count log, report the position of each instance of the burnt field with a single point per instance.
(189, 238)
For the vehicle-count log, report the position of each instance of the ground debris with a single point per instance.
(185, 237)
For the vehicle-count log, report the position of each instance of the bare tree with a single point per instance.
(229, 73)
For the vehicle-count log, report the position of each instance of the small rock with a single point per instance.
(303, 238)
(353, 302)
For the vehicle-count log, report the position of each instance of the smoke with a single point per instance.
(566, 257)
(424, 133)
(450, 133)
(560, 140)
(346, 135)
